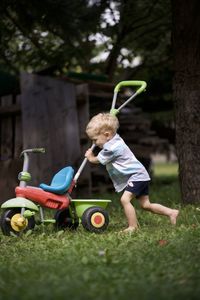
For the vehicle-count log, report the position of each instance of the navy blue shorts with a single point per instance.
(138, 188)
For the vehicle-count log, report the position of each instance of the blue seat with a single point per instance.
(60, 182)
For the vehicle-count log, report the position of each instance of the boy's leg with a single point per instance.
(129, 211)
(159, 209)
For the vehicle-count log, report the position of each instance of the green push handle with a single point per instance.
(38, 150)
(142, 85)
(33, 150)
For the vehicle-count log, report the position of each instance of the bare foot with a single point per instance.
(130, 229)
(174, 216)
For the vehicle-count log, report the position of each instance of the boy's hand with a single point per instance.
(90, 156)
(89, 153)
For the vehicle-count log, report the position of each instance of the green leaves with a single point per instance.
(60, 34)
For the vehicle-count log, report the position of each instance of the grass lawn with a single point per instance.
(157, 262)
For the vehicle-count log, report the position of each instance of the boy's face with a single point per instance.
(101, 138)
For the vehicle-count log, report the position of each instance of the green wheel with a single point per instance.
(64, 220)
(12, 221)
(95, 219)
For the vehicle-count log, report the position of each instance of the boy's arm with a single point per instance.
(90, 156)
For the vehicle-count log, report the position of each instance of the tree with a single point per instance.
(67, 34)
(38, 34)
(186, 44)
(141, 24)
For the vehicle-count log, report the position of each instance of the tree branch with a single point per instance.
(132, 28)
(150, 30)
(151, 8)
(33, 40)
(131, 72)
(9, 63)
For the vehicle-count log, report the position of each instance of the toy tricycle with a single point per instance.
(18, 215)
(19, 212)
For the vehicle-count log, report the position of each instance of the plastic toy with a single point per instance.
(19, 213)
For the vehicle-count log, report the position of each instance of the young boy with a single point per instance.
(126, 172)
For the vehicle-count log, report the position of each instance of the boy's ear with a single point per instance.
(107, 133)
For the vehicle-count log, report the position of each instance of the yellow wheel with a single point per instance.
(12, 221)
(95, 219)
(18, 222)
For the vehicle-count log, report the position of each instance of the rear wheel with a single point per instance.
(12, 221)
(64, 220)
(95, 219)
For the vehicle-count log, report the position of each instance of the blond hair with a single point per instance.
(102, 122)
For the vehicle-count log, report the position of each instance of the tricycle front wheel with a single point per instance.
(95, 219)
(12, 221)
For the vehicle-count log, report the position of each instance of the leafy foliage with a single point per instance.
(68, 35)
(38, 34)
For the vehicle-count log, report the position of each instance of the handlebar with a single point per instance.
(78, 173)
(142, 85)
(33, 150)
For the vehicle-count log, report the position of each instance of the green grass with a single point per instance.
(157, 262)
(166, 170)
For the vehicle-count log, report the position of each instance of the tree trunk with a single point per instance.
(186, 44)
(112, 58)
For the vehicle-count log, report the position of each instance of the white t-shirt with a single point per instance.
(121, 163)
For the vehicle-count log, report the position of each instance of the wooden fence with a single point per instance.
(10, 144)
